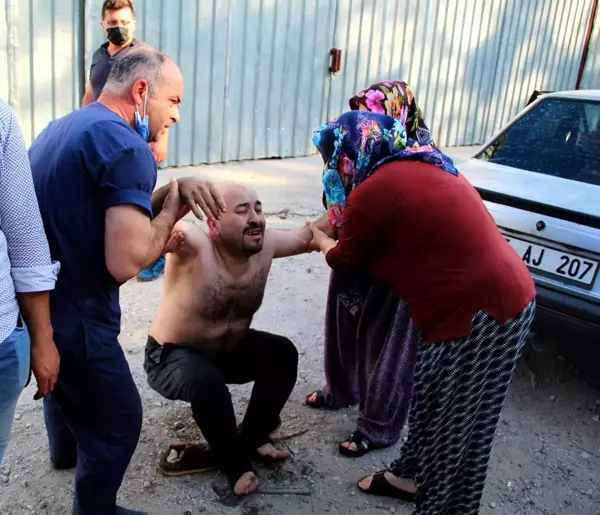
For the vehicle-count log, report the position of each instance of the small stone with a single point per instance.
(147, 485)
(509, 484)
(552, 398)
(178, 425)
(25, 484)
(595, 418)
(585, 455)
(158, 404)
(43, 504)
(493, 505)
(27, 426)
(5, 479)
(18, 416)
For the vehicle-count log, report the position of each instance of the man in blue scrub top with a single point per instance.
(94, 176)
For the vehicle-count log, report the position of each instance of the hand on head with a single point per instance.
(194, 195)
(202, 196)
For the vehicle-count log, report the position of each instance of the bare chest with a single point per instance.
(227, 298)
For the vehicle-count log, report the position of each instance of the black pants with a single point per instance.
(184, 373)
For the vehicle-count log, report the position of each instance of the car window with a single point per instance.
(557, 137)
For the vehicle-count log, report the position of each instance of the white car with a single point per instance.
(540, 180)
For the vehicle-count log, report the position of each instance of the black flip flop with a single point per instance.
(181, 459)
(362, 443)
(381, 487)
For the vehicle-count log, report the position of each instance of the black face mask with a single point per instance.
(118, 35)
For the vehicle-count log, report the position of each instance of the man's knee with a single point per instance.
(206, 388)
(286, 353)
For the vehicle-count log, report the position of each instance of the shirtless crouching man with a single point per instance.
(201, 340)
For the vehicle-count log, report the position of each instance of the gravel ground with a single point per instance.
(546, 457)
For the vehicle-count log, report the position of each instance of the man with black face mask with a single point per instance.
(118, 23)
(201, 339)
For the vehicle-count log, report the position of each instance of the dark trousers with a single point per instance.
(93, 419)
(183, 373)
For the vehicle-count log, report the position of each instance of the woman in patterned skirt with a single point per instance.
(370, 340)
(414, 222)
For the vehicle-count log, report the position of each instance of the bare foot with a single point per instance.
(271, 453)
(246, 484)
(350, 445)
(402, 483)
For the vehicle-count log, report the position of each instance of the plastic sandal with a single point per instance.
(381, 487)
(181, 459)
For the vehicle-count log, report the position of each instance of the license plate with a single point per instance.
(566, 267)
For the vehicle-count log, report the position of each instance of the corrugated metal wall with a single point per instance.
(472, 64)
(40, 59)
(256, 71)
(591, 74)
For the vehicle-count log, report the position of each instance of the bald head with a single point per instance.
(241, 229)
(233, 191)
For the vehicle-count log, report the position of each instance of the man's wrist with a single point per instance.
(42, 338)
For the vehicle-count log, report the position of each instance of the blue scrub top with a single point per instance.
(83, 164)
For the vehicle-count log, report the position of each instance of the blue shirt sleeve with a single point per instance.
(129, 178)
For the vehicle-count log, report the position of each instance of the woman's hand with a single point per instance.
(321, 241)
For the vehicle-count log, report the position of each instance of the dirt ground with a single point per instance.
(546, 457)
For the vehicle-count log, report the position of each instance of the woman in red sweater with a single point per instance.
(419, 225)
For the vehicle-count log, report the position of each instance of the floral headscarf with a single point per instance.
(395, 99)
(354, 145)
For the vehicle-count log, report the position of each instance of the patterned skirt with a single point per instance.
(370, 351)
(460, 387)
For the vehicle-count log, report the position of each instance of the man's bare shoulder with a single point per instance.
(195, 238)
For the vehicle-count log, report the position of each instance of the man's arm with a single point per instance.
(32, 271)
(132, 241)
(292, 242)
(88, 96)
(159, 148)
(35, 308)
(196, 194)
